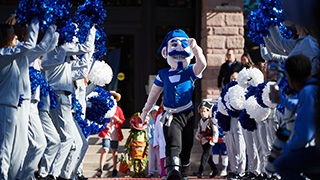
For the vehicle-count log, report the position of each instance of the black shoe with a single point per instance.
(274, 177)
(98, 173)
(262, 176)
(61, 178)
(249, 176)
(231, 175)
(185, 178)
(214, 173)
(50, 177)
(114, 173)
(174, 175)
(198, 174)
(82, 178)
(41, 178)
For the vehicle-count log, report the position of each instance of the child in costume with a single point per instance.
(207, 134)
(177, 84)
(137, 145)
(154, 160)
(111, 137)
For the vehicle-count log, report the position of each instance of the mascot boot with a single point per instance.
(173, 168)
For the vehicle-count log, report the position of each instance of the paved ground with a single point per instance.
(129, 178)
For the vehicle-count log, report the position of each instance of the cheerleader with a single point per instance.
(15, 85)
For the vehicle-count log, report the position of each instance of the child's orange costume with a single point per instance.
(137, 145)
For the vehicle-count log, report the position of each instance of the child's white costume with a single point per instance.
(58, 73)
(14, 119)
(159, 137)
(37, 141)
(153, 154)
(177, 84)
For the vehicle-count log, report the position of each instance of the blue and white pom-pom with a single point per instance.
(236, 97)
(247, 122)
(88, 128)
(101, 73)
(222, 116)
(100, 105)
(256, 111)
(43, 10)
(250, 77)
(265, 95)
(254, 104)
(221, 107)
(230, 109)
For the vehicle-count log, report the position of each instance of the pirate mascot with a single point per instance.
(177, 84)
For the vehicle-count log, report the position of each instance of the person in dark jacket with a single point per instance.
(229, 67)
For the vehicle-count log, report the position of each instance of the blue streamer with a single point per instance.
(65, 26)
(223, 121)
(280, 108)
(100, 105)
(92, 10)
(247, 122)
(100, 45)
(35, 77)
(89, 14)
(88, 128)
(43, 10)
(269, 13)
(258, 94)
(251, 90)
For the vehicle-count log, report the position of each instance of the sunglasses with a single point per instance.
(228, 55)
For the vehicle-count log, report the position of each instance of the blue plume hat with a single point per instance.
(170, 35)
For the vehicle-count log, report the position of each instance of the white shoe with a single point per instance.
(223, 173)
(163, 177)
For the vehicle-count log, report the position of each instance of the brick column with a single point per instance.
(219, 31)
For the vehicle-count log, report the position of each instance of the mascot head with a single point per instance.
(176, 50)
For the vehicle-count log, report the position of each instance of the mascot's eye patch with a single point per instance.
(184, 42)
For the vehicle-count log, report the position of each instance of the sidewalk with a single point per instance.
(129, 178)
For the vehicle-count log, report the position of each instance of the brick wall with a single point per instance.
(219, 31)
